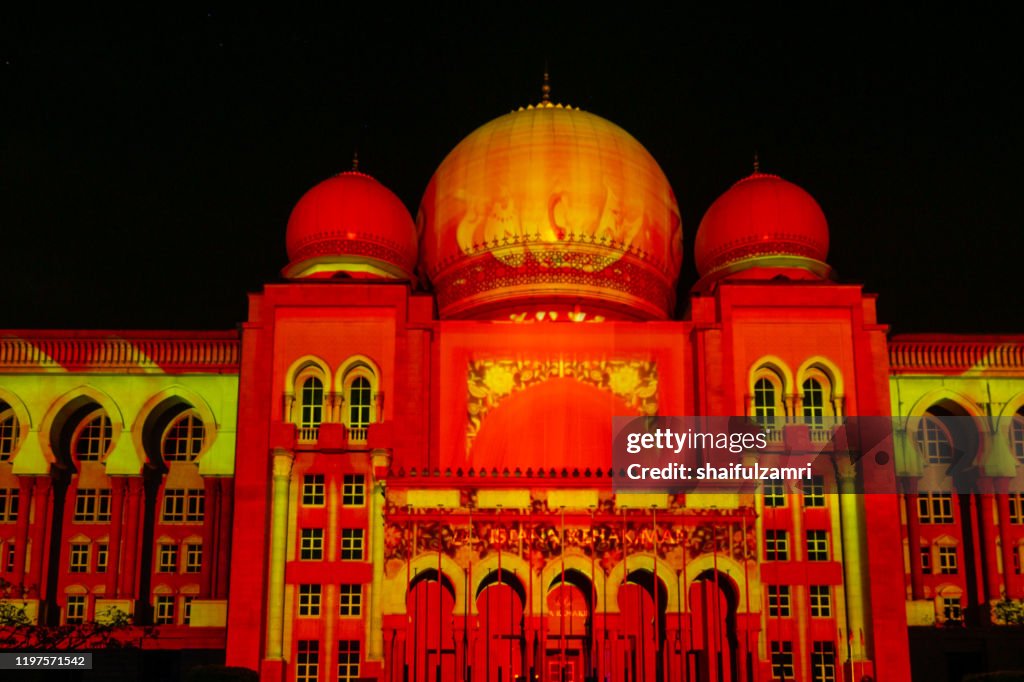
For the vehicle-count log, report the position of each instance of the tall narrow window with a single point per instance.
(764, 402)
(823, 662)
(79, 562)
(183, 438)
(91, 440)
(102, 557)
(948, 564)
(817, 545)
(778, 601)
(814, 492)
(348, 660)
(776, 545)
(813, 403)
(311, 408)
(307, 661)
(782, 661)
(164, 612)
(360, 396)
(8, 505)
(9, 432)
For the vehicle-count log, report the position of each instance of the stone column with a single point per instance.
(223, 558)
(117, 484)
(375, 640)
(43, 517)
(278, 553)
(130, 540)
(213, 520)
(854, 573)
(914, 537)
(25, 485)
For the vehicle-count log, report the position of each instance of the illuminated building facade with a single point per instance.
(409, 448)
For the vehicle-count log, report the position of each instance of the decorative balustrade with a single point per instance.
(956, 354)
(211, 352)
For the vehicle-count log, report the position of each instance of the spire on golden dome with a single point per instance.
(545, 89)
(757, 163)
(355, 160)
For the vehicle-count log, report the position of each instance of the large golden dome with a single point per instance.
(550, 208)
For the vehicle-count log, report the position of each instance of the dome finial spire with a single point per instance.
(545, 88)
(355, 159)
(757, 163)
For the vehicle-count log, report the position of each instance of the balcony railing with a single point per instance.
(357, 434)
(307, 434)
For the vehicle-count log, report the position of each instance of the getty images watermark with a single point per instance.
(868, 455)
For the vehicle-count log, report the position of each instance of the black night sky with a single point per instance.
(148, 164)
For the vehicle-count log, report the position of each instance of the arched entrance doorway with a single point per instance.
(643, 600)
(713, 603)
(430, 649)
(500, 637)
(568, 628)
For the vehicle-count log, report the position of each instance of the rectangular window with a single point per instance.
(821, 601)
(823, 662)
(351, 544)
(1016, 507)
(311, 544)
(309, 600)
(778, 601)
(307, 661)
(350, 600)
(186, 610)
(926, 560)
(79, 562)
(782, 661)
(74, 612)
(193, 558)
(167, 558)
(935, 507)
(814, 492)
(774, 494)
(313, 490)
(348, 660)
(10, 557)
(164, 613)
(102, 555)
(776, 545)
(947, 561)
(817, 545)
(183, 505)
(8, 505)
(92, 505)
(353, 491)
(951, 609)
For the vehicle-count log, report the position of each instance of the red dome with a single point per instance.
(353, 224)
(762, 220)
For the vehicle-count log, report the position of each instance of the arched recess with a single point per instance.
(714, 603)
(731, 570)
(422, 565)
(512, 564)
(23, 420)
(826, 374)
(430, 642)
(500, 605)
(775, 364)
(963, 420)
(1010, 426)
(160, 410)
(56, 426)
(826, 367)
(646, 562)
(552, 571)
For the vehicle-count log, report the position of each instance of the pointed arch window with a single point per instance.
(10, 431)
(934, 441)
(183, 438)
(359, 389)
(813, 403)
(92, 439)
(764, 401)
(311, 406)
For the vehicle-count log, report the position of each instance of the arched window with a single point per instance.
(813, 403)
(91, 440)
(934, 441)
(360, 403)
(311, 406)
(1016, 435)
(764, 401)
(183, 438)
(10, 431)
